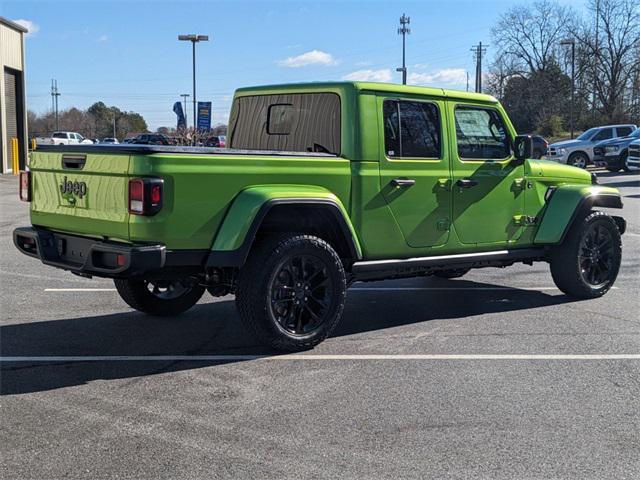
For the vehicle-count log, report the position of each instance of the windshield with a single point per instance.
(588, 134)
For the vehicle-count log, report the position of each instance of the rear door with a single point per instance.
(488, 189)
(414, 167)
(81, 193)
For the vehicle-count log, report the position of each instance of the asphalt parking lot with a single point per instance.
(496, 375)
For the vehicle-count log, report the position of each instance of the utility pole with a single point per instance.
(114, 123)
(54, 100)
(595, 60)
(184, 100)
(572, 42)
(478, 51)
(404, 30)
(467, 80)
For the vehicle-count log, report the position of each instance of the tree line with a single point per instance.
(97, 121)
(531, 73)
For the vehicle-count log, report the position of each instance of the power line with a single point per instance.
(478, 51)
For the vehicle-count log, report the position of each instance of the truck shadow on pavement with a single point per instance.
(214, 329)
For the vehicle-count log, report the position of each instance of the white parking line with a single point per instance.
(356, 289)
(60, 290)
(309, 357)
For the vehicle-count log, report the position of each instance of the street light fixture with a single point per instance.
(193, 38)
(572, 42)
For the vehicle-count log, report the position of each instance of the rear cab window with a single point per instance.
(297, 122)
(481, 134)
(623, 131)
(412, 129)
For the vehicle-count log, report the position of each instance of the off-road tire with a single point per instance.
(137, 295)
(570, 261)
(457, 273)
(257, 292)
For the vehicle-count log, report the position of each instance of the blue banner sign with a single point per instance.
(204, 116)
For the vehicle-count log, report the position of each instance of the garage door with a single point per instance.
(11, 109)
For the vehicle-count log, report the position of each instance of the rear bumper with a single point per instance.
(88, 256)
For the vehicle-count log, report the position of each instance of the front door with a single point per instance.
(414, 168)
(488, 188)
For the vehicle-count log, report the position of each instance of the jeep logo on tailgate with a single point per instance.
(76, 188)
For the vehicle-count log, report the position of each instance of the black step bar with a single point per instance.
(371, 270)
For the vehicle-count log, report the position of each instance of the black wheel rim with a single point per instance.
(166, 290)
(300, 293)
(596, 256)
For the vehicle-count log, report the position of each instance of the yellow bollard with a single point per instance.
(34, 144)
(15, 150)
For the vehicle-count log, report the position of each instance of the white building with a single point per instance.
(13, 112)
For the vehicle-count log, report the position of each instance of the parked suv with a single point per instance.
(612, 154)
(633, 159)
(579, 152)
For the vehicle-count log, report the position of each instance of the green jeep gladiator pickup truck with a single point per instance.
(324, 184)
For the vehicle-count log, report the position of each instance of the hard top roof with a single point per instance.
(369, 86)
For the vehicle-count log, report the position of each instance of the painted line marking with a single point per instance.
(309, 357)
(356, 289)
(58, 290)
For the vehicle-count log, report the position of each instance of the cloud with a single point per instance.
(446, 76)
(314, 57)
(103, 38)
(382, 75)
(33, 27)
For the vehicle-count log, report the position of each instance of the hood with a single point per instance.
(550, 169)
(567, 143)
(614, 141)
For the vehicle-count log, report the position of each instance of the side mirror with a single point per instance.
(522, 148)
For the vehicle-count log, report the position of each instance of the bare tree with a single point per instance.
(529, 36)
(610, 38)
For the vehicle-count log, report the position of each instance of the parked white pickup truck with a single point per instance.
(63, 138)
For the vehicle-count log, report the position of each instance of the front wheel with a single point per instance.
(291, 292)
(164, 298)
(587, 263)
(579, 160)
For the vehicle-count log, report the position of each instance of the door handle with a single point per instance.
(403, 182)
(466, 183)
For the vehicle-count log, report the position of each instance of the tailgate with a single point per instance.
(81, 193)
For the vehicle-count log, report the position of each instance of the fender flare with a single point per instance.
(233, 240)
(569, 202)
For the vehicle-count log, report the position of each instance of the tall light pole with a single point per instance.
(404, 30)
(571, 42)
(184, 100)
(193, 38)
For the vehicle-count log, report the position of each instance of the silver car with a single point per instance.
(579, 152)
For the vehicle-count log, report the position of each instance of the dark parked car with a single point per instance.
(540, 146)
(613, 154)
(151, 139)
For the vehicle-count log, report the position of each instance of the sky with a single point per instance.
(126, 53)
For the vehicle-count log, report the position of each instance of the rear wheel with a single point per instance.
(291, 292)
(163, 298)
(587, 263)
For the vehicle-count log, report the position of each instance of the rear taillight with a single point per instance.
(145, 196)
(25, 186)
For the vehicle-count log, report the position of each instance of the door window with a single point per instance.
(624, 131)
(604, 134)
(411, 129)
(481, 134)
